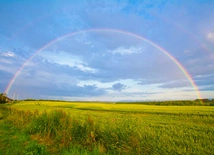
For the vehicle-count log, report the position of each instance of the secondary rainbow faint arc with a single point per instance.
(107, 30)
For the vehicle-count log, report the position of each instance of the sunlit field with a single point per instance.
(113, 107)
(106, 128)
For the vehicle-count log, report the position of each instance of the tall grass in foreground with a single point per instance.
(64, 134)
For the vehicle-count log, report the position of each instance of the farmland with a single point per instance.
(46, 127)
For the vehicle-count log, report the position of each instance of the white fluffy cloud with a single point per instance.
(130, 50)
(210, 36)
(8, 54)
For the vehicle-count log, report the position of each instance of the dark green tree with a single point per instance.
(4, 98)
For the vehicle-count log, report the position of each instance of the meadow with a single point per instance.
(46, 127)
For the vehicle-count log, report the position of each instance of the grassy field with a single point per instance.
(45, 127)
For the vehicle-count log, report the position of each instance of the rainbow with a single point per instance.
(107, 30)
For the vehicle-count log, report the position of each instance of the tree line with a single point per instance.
(197, 102)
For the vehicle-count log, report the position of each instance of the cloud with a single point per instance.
(118, 87)
(8, 54)
(52, 89)
(199, 64)
(207, 88)
(70, 60)
(123, 50)
(210, 36)
(204, 80)
(175, 84)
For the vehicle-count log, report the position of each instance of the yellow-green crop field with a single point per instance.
(106, 128)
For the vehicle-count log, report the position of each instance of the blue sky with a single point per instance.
(107, 64)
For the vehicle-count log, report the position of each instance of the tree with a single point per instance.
(4, 98)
